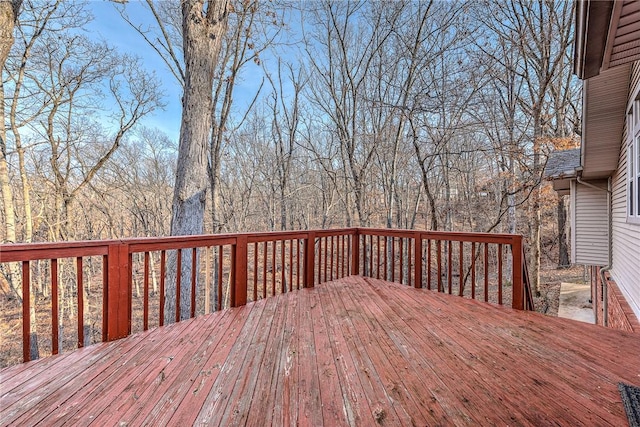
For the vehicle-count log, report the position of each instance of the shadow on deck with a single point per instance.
(355, 351)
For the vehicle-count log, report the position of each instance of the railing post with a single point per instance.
(355, 253)
(309, 259)
(417, 263)
(239, 271)
(117, 296)
(517, 279)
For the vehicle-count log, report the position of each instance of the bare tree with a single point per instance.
(9, 11)
(342, 50)
(204, 24)
(74, 72)
(541, 32)
(284, 129)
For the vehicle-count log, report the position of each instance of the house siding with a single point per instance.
(626, 236)
(590, 239)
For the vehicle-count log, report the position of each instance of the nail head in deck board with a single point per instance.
(465, 354)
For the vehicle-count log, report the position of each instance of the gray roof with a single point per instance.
(562, 164)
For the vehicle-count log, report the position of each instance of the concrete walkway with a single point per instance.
(574, 302)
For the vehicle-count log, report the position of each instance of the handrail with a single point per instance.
(250, 266)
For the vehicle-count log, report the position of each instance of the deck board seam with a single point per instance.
(497, 351)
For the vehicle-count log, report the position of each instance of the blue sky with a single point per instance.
(109, 25)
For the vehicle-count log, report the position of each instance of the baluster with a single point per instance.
(80, 280)
(326, 247)
(145, 293)
(178, 283)
(319, 260)
(393, 259)
(220, 272)
(486, 272)
(264, 270)
(298, 263)
(461, 257)
(409, 241)
(26, 318)
(429, 264)
(163, 268)
(273, 267)
(449, 265)
(283, 286)
(290, 264)
(255, 271)
(473, 270)
(401, 249)
(330, 264)
(55, 326)
(439, 243)
(194, 275)
(207, 280)
(500, 273)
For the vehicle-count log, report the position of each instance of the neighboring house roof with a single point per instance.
(607, 42)
(561, 168)
(562, 164)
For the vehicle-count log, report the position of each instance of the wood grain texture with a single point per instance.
(355, 351)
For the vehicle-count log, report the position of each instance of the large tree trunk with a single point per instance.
(203, 26)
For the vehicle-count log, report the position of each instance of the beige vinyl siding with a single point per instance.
(626, 236)
(590, 220)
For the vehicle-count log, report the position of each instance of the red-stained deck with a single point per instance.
(356, 351)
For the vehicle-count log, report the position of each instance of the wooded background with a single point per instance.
(412, 114)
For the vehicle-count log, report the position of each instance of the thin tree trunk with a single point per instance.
(154, 275)
(537, 217)
(563, 247)
(24, 180)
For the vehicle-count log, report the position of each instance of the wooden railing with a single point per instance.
(476, 265)
(130, 278)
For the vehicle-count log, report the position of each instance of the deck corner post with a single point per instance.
(355, 253)
(239, 271)
(117, 307)
(309, 259)
(417, 260)
(517, 255)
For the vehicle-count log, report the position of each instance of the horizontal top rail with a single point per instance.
(32, 251)
(442, 235)
(35, 251)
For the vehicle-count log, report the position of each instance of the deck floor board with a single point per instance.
(170, 384)
(355, 351)
(462, 351)
(549, 351)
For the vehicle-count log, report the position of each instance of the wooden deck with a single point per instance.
(356, 351)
